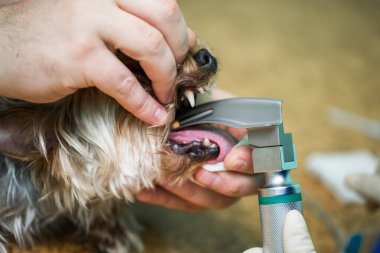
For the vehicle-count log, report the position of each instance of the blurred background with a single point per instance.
(315, 56)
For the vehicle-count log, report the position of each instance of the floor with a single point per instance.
(311, 54)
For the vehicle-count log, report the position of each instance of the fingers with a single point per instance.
(192, 38)
(365, 184)
(166, 17)
(229, 184)
(144, 43)
(159, 196)
(296, 235)
(239, 159)
(198, 195)
(114, 79)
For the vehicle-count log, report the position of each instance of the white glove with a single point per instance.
(365, 184)
(296, 236)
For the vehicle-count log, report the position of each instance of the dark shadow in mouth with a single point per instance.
(196, 150)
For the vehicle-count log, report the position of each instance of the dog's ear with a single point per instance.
(15, 133)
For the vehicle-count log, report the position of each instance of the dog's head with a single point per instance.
(89, 144)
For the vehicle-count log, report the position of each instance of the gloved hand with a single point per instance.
(296, 236)
(366, 184)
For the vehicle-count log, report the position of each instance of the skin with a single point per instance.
(210, 190)
(50, 49)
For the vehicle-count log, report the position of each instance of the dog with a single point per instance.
(73, 166)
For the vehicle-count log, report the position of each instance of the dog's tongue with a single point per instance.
(221, 138)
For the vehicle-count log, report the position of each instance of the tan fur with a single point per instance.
(90, 147)
(75, 162)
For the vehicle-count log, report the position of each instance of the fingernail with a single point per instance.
(239, 165)
(160, 115)
(207, 178)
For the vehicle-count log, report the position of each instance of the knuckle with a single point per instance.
(65, 87)
(234, 189)
(170, 10)
(82, 46)
(144, 106)
(191, 194)
(128, 85)
(190, 191)
(154, 41)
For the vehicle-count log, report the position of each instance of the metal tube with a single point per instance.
(279, 195)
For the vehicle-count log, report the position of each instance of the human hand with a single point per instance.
(210, 190)
(366, 185)
(50, 49)
(296, 238)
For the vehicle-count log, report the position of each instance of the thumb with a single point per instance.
(296, 234)
(365, 184)
(254, 250)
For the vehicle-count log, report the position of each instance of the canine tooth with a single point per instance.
(190, 96)
(206, 142)
(213, 145)
(201, 90)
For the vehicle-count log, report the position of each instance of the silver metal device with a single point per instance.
(273, 151)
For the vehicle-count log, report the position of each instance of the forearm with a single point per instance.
(8, 2)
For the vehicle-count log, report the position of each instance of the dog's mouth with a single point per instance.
(202, 143)
(187, 95)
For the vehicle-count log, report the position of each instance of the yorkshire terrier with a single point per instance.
(75, 164)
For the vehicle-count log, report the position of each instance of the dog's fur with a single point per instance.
(75, 163)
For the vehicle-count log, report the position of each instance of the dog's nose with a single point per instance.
(206, 60)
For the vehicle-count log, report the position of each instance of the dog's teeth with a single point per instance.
(206, 142)
(213, 145)
(190, 96)
(212, 87)
(201, 90)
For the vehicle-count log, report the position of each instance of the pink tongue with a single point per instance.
(224, 140)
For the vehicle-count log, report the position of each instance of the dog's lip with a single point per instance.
(223, 139)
